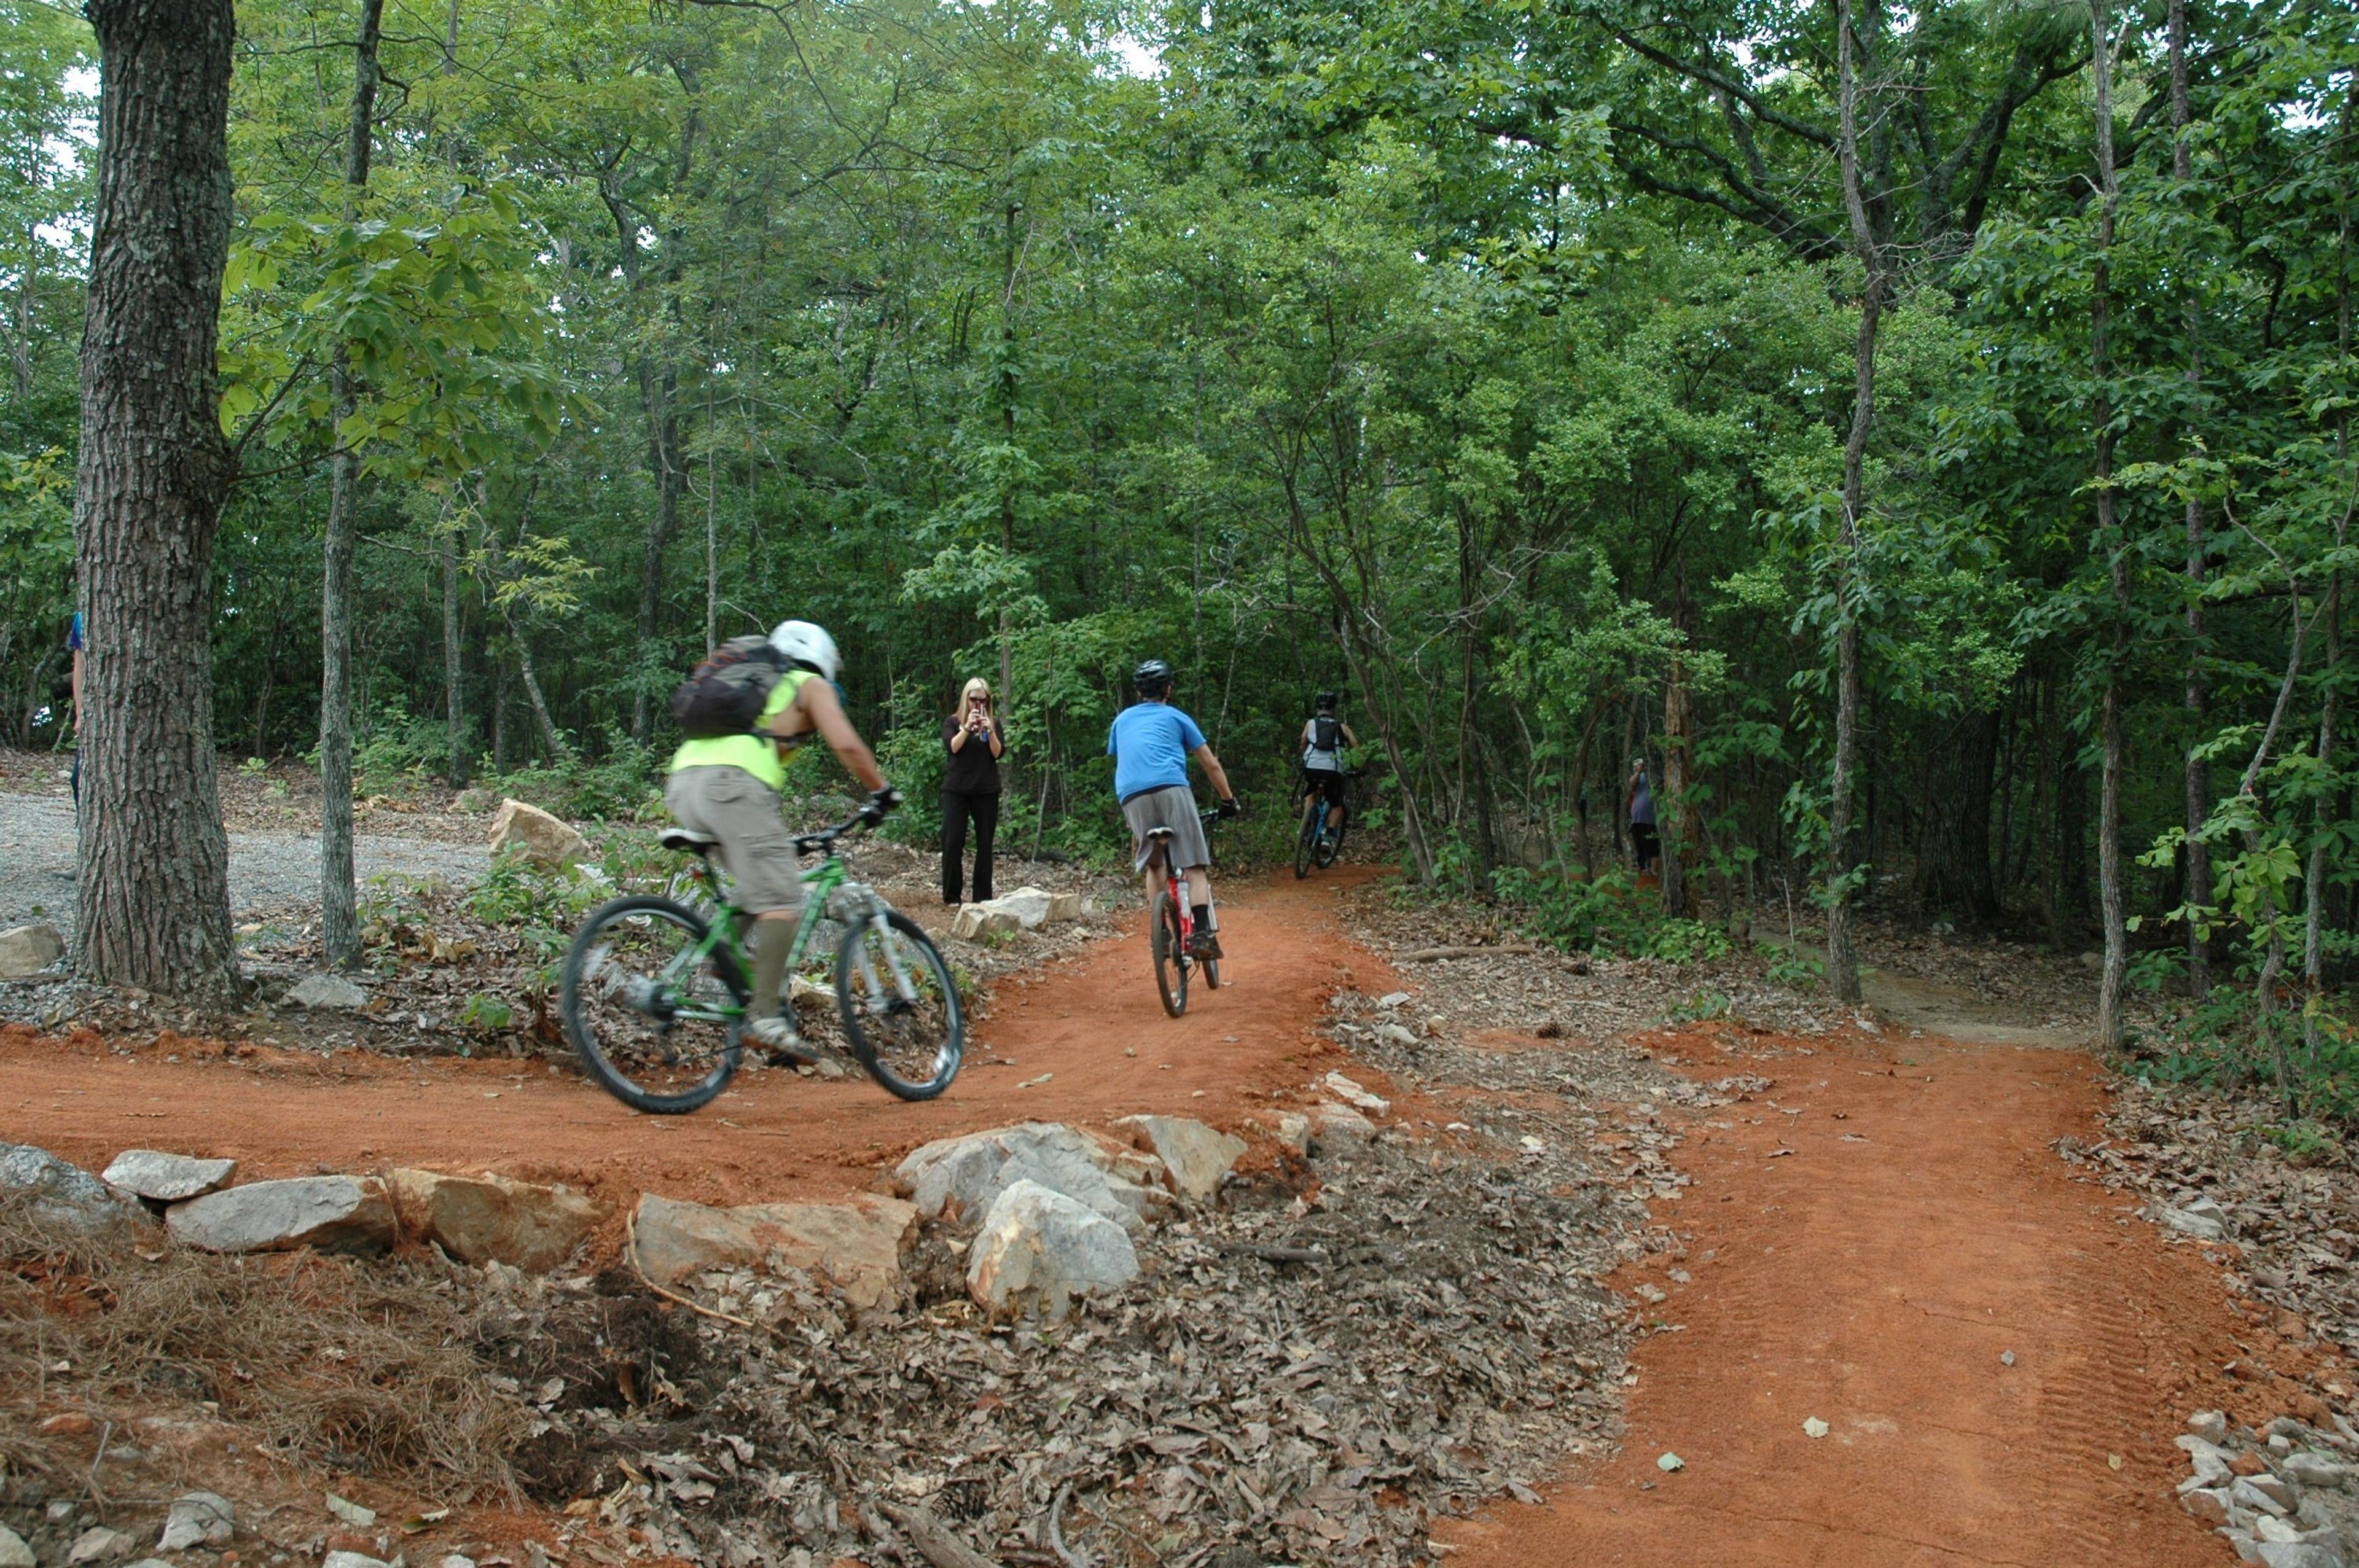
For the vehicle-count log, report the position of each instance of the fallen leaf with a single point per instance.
(1813, 1426)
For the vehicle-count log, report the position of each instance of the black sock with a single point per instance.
(1204, 913)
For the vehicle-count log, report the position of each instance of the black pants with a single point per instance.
(1645, 845)
(958, 808)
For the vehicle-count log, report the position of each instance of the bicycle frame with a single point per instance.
(821, 884)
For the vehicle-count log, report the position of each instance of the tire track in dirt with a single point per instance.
(1874, 1263)
(1052, 1047)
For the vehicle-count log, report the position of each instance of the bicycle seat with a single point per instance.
(683, 841)
(1155, 833)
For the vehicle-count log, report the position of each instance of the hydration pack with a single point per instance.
(726, 693)
(1326, 732)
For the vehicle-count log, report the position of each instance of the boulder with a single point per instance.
(1030, 906)
(336, 1213)
(1333, 1126)
(1393, 998)
(167, 1178)
(99, 1544)
(62, 1194)
(2298, 1554)
(352, 1559)
(2312, 1469)
(1065, 906)
(328, 993)
(488, 1218)
(856, 1247)
(1039, 1249)
(2200, 1218)
(1294, 1131)
(27, 950)
(13, 1552)
(1195, 1157)
(541, 839)
(198, 1519)
(976, 921)
(956, 1178)
(1345, 1089)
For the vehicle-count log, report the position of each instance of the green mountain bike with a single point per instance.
(655, 995)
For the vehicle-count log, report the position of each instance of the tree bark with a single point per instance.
(339, 929)
(2110, 891)
(1842, 960)
(152, 899)
(454, 686)
(2197, 861)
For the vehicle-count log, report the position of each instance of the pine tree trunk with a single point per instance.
(340, 930)
(152, 899)
(2110, 892)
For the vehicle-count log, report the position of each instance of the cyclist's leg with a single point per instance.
(742, 813)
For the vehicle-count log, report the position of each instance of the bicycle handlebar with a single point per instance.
(821, 842)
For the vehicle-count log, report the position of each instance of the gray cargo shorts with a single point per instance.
(1172, 806)
(741, 811)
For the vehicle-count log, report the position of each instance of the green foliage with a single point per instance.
(543, 907)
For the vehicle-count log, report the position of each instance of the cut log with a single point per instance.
(1427, 955)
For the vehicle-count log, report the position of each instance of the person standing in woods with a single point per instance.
(73, 646)
(974, 739)
(1639, 800)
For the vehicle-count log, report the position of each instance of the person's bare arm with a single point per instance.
(958, 741)
(990, 728)
(1213, 770)
(1349, 739)
(817, 700)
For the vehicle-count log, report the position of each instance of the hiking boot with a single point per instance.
(777, 1037)
(1204, 944)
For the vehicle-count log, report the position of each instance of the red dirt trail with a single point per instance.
(772, 1135)
(1872, 1277)
(1920, 1228)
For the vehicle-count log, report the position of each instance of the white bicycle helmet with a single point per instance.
(802, 642)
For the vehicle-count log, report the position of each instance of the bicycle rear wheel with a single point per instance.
(911, 1040)
(654, 1023)
(1306, 842)
(1163, 939)
(1332, 845)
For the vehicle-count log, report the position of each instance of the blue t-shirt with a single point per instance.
(73, 638)
(1150, 743)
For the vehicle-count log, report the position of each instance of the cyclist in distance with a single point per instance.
(728, 785)
(1150, 742)
(1324, 736)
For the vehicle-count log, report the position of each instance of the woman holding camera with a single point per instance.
(974, 739)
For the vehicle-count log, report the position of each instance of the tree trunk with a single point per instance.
(152, 896)
(657, 389)
(2110, 897)
(1678, 818)
(1842, 961)
(2197, 862)
(454, 686)
(340, 930)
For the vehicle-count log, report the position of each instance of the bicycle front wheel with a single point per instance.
(652, 1012)
(900, 1007)
(1165, 941)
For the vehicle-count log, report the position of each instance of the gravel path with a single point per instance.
(267, 872)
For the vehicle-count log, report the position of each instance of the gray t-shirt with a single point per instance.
(1641, 801)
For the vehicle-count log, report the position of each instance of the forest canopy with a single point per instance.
(1923, 432)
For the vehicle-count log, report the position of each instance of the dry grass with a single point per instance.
(331, 1364)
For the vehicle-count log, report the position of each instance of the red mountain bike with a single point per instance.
(1171, 924)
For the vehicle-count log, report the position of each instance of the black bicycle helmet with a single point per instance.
(1152, 679)
(1327, 700)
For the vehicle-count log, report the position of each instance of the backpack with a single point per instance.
(726, 693)
(1326, 732)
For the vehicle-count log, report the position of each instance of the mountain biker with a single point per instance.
(729, 787)
(1150, 742)
(1324, 736)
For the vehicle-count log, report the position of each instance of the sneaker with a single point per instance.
(786, 1047)
(1204, 944)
